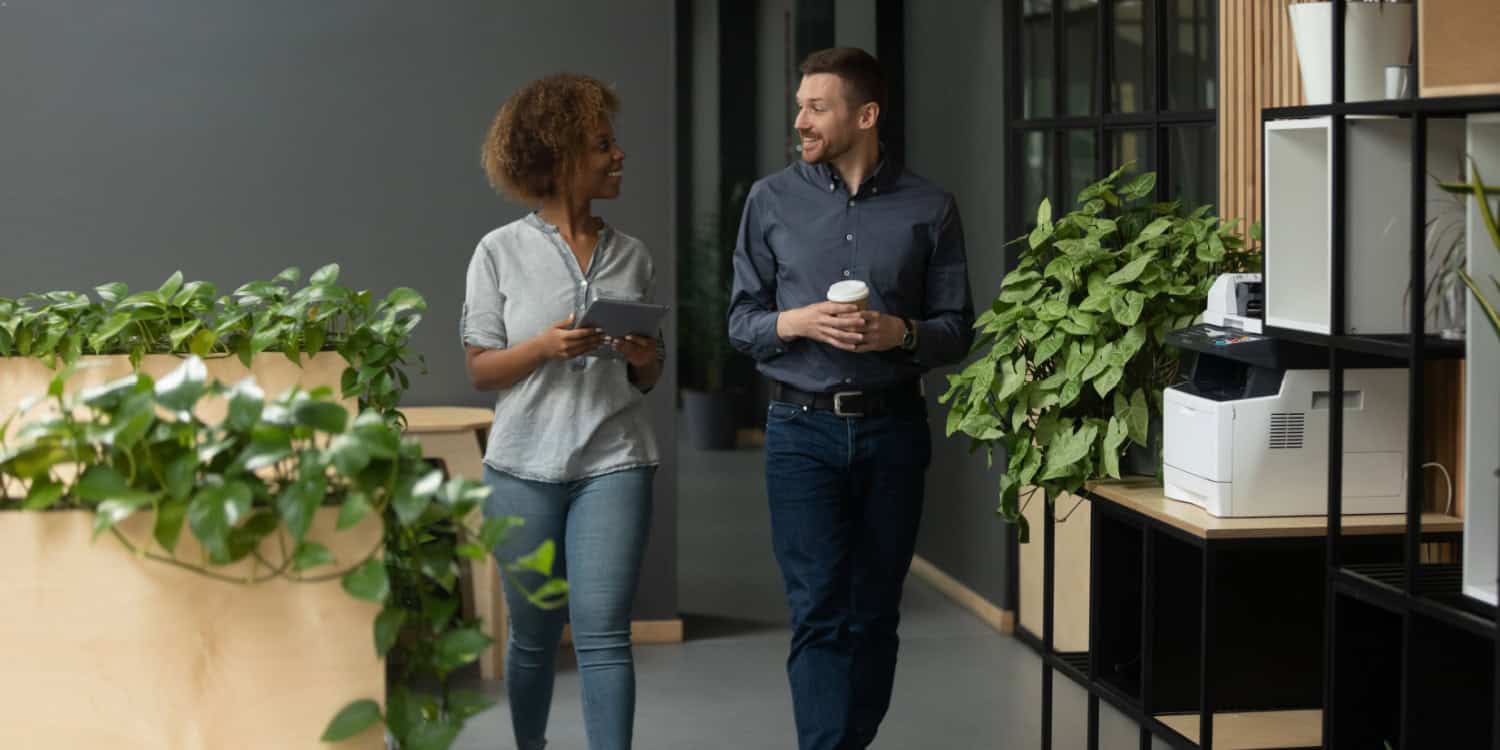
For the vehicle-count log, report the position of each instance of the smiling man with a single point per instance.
(847, 441)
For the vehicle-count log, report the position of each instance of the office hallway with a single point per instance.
(959, 685)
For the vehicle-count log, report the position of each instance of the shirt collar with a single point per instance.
(885, 173)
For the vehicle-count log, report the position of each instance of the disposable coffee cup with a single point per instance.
(855, 293)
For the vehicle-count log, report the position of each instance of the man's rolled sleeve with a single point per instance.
(482, 323)
(946, 332)
(752, 304)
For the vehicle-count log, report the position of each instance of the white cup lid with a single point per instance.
(848, 291)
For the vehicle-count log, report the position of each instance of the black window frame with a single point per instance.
(1157, 118)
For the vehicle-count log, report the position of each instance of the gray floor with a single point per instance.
(959, 686)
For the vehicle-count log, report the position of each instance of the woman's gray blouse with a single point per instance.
(569, 419)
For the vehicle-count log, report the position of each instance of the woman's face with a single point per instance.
(601, 166)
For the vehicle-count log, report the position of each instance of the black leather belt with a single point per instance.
(901, 399)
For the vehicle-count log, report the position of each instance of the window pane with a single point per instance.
(1131, 145)
(1036, 173)
(1194, 150)
(1080, 30)
(1130, 91)
(1036, 58)
(1191, 35)
(1082, 169)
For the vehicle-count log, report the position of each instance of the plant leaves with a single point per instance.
(171, 286)
(1138, 419)
(310, 555)
(356, 505)
(183, 386)
(43, 495)
(368, 581)
(1114, 438)
(324, 416)
(324, 276)
(299, 502)
(353, 719)
(540, 560)
(1108, 379)
(458, 648)
(1131, 271)
(387, 626)
(121, 506)
(1127, 307)
(170, 515)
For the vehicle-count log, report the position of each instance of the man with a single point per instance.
(847, 441)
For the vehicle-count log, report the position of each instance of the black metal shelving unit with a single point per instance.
(1394, 627)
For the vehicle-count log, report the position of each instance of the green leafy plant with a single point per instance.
(1073, 356)
(185, 318)
(1481, 193)
(704, 288)
(258, 476)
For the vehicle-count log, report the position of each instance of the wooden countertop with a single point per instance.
(1144, 495)
(426, 419)
(1254, 730)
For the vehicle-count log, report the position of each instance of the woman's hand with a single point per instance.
(562, 341)
(639, 351)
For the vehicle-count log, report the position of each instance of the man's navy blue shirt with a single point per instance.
(900, 234)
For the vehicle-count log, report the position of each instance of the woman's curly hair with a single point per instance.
(541, 131)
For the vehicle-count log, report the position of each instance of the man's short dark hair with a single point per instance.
(863, 80)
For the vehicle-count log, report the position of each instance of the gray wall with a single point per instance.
(230, 139)
(954, 117)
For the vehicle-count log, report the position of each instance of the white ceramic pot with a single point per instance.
(1375, 35)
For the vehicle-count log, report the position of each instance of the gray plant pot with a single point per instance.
(710, 420)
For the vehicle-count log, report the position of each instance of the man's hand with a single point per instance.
(843, 327)
(882, 332)
(562, 341)
(835, 324)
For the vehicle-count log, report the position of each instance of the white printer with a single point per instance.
(1246, 434)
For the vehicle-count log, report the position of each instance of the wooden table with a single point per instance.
(456, 436)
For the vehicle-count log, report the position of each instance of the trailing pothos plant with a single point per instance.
(261, 316)
(1074, 360)
(247, 488)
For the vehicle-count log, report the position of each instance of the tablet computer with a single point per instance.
(619, 318)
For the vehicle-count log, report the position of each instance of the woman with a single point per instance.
(572, 450)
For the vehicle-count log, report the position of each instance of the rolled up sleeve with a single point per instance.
(752, 304)
(482, 323)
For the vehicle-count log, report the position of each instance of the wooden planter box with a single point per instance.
(25, 377)
(99, 649)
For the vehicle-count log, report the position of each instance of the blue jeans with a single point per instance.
(846, 498)
(599, 526)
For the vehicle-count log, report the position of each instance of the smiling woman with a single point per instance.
(572, 450)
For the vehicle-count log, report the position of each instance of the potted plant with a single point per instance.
(1073, 355)
(704, 351)
(1375, 36)
(286, 492)
(319, 334)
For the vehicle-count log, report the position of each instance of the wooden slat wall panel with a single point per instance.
(1258, 69)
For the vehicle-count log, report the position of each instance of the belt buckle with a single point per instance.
(838, 404)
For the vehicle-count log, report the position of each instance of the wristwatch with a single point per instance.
(909, 339)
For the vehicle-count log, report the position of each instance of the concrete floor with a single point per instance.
(959, 685)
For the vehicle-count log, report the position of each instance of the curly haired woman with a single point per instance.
(572, 450)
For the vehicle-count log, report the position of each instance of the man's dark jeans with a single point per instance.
(846, 498)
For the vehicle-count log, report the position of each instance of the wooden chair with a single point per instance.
(456, 436)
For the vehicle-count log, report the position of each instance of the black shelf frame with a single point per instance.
(1141, 704)
(1409, 589)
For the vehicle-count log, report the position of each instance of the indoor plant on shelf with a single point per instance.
(282, 492)
(1481, 193)
(1073, 356)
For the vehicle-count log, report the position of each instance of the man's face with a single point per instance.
(827, 122)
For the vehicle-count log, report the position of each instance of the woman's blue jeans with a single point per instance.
(599, 526)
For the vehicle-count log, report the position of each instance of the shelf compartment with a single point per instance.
(1482, 410)
(1254, 730)
(1367, 667)
(1451, 687)
(1380, 585)
(1299, 216)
